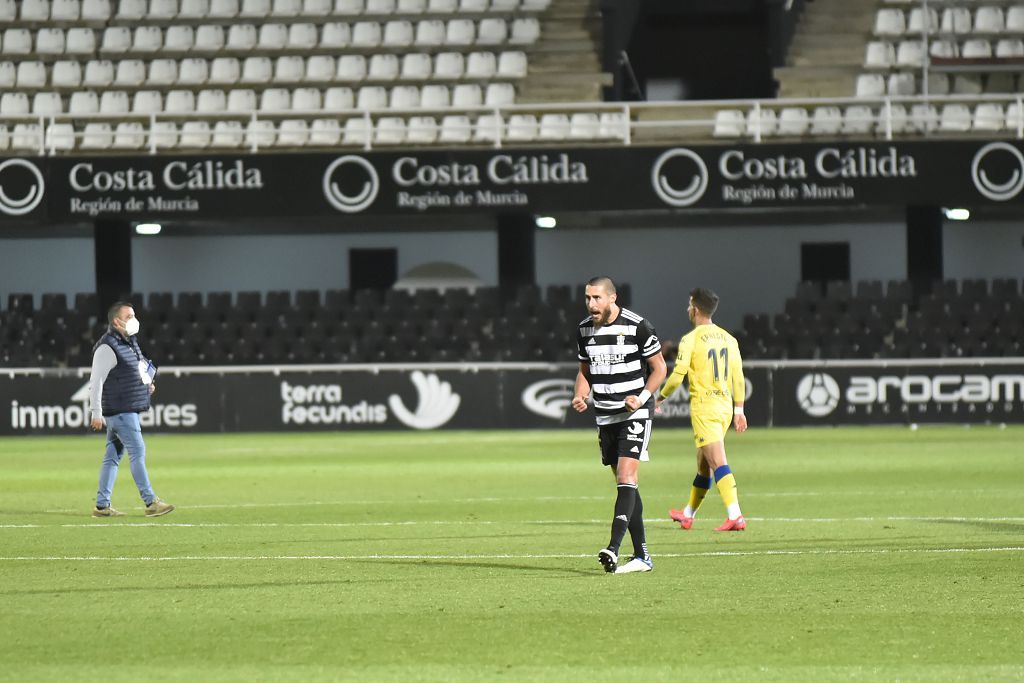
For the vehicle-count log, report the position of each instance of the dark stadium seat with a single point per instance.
(20, 303)
(218, 302)
(1005, 288)
(336, 300)
(869, 290)
(899, 291)
(53, 303)
(807, 290)
(308, 301)
(278, 301)
(838, 290)
(974, 289)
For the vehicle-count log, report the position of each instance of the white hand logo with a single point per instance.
(436, 403)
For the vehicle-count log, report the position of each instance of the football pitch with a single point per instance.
(871, 554)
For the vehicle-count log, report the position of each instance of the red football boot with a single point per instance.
(738, 524)
(680, 516)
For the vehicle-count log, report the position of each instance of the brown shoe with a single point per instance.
(106, 512)
(158, 507)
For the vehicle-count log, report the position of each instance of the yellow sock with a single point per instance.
(700, 488)
(726, 484)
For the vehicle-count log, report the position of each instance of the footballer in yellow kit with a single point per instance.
(709, 357)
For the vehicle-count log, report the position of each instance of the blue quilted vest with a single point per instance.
(123, 392)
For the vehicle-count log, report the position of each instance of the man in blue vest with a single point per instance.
(119, 389)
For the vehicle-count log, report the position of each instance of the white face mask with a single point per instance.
(131, 327)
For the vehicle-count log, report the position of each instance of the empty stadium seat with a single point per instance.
(257, 70)
(499, 95)
(162, 72)
(254, 9)
(366, 34)
(97, 135)
(989, 117)
(826, 121)
(976, 48)
(227, 134)
(96, 10)
(31, 74)
(193, 71)
(553, 127)
(989, 19)
(966, 84)
(147, 102)
(398, 34)
(116, 39)
(524, 31)
(211, 101)
(272, 37)
(488, 128)
(492, 32)
(429, 33)
(923, 118)
(130, 73)
(455, 128)
(16, 41)
(289, 69)
(242, 37)
(383, 68)
(163, 135)
(338, 98)
(49, 41)
(114, 102)
(467, 95)
(372, 97)
(302, 37)
(292, 133)
(316, 8)
(351, 68)
(150, 39)
(512, 64)
(584, 126)
(34, 10)
(8, 74)
(481, 65)
(129, 135)
(275, 99)
(404, 97)
(870, 85)
(66, 74)
(916, 21)
(955, 20)
(910, 53)
(890, 22)
(210, 38)
(793, 121)
(415, 67)
(435, 97)
(858, 120)
(879, 55)
(14, 103)
(729, 123)
(938, 84)
(194, 9)
(522, 127)
(83, 102)
(180, 102)
(162, 9)
(763, 123)
(285, 8)
(131, 10)
(390, 130)
(325, 132)
(27, 136)
(357, 131)
(421, 130)
(901, 84)
(335, 34)
(260, 134)
(47, 104)
(449, 66)
(225, 71)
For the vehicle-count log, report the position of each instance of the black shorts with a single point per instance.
(627, 439)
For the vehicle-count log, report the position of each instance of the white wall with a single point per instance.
(267, 262)
(752, 269)
(973, 249)
(46, 265)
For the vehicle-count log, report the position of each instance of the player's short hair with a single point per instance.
(115, 309)
(603, 281)
(704, 300)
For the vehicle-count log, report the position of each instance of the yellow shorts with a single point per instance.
(709, 428)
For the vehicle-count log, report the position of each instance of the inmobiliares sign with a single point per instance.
(247, 186)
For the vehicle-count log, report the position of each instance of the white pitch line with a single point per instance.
(506, 556)
(104, 524)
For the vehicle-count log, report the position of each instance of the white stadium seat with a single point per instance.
(404, 97)
(31, 74)
(241, 101)
(242, 37)
(26, 136)
(729, 123)
(421, 130)
(227, 134)
(890, 22)
(130, 73)
(357, 132)
(492, 32)
(383, 68)
(129, 135)
(286, 8)
(763, 124)
(901, 84)
(194, 9)
(83, 102)
(499, 95)
(879, 55)
(348, 6)
(162, 72)
(60, 136)
(114, 102)
(254, 9)
(292, 133)
(66, 74)
(99, 73)
(97, 136)
(320, 68)
(473, 6)
(535, 5)
(467, 95)
(316, 8)
(614, 125)
(793, 121)
(1010, 47)
(35, 10)
(289, 69)
(584, 126)
(116, 39)
(65, 10)
(1014, 117)
(162, 9)
(435, 97)
(225, 71)
(275, 99)
(338, 98)
(410, 7)
(272, 37)
(858, 120)
(966, 84)
(976, 48)
(390, 130)
(223, 9)
(442, 6)
(195, 134)
(306, 99)
(522, 128)
(180, 102)
(553, 127)
(943, 48)
(366, 34)
(826, 121)
(302, 36)
(489, 128)
(938, 84)
(147, 102)
(455, 128)
(379, 7)
(80, 41)
(260, 134)
(8, 14)
(988, 116)
(956, 20)
(1015, 19)
(335, 34)
(398, 34)
(505, 6)
(14, 103)
(372, 97)
(50, 41)
(17, 41)
(895, 118)
(916, 21)
(257, 70)
(96, 10)
(416, 67)
(870, 85)
(482, 65)
(8, 74)
(193, 71)
(460, 32)
(211, 101)
(210, 38)
(163, 135)
(955, 118)
(47, 104)
(923, 118)
(449, 66)
(149, 39)
(131, 10)
(989, 20)
(429, 33)
(351, 68)
(512, 64)
(524, 31)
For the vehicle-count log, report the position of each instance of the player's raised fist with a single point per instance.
(579, 403)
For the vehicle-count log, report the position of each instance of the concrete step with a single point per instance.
(853, 56)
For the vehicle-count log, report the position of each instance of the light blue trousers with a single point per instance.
(124, 432)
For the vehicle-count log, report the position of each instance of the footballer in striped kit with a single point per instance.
(621, 366)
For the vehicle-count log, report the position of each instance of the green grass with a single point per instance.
(872, 554)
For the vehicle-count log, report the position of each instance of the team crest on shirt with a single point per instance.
(621, 340)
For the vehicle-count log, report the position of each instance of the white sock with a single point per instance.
(734, 511)
(688, 511)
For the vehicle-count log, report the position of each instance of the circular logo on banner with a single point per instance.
(352, 173)
(680, 163)
(1002, 160)
(549, 398)
(818, 394)
(32, 190)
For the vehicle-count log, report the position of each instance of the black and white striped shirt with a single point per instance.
(615, 354)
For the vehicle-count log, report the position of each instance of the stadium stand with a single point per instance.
(834, 320)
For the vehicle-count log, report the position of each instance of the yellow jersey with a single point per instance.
(710, 357)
